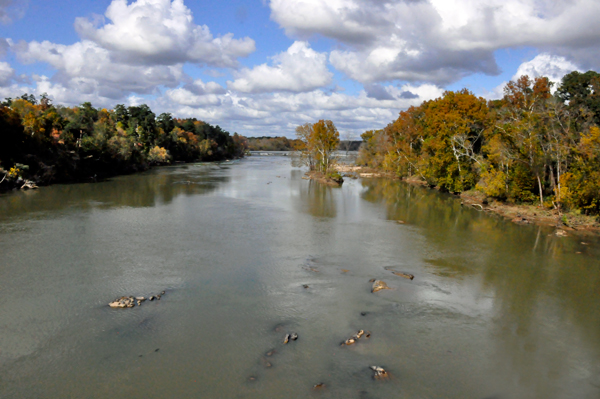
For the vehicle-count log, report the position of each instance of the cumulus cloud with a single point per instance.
(161, 32)
(197, 94)
(551, 66)
(87, 66)
(256, 113)
(439, 41)
(141, 49)
(298, 69)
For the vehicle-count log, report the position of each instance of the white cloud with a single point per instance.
(197, 94)
(7, 74)
(161, 32)
(440, 41)
(87, 66)
(298, 69)
(141, 50)
(256, 114)
(551, 66)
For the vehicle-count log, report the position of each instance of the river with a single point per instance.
(495, 310)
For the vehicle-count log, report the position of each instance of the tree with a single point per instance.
(581, 93)
(523, 127)
(320, 140)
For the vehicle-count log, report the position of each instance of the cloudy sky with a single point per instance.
(262, 67)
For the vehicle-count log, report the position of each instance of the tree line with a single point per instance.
(273, 144)
(284, 144)
(48, 143)
(533, 145)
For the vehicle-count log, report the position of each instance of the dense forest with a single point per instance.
(44, 143)
(533, 145)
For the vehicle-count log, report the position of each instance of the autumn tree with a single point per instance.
(320, 140)
(523, 128)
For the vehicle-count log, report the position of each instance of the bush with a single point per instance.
(159, 155)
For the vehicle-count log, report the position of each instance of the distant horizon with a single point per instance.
(261, 68)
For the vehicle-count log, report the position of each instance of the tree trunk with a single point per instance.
(540, 187)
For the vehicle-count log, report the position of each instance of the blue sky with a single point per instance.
(263, 67)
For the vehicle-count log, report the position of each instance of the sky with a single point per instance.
(263, 67)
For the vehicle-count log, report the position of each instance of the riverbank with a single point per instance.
(7, 185)
(564, 222)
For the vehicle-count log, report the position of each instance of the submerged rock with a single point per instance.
(379, 285)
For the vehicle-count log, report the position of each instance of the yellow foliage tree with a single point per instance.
(320, 140)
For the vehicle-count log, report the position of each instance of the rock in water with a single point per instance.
(354, 338)
(123, 302)
(379, 285)
(293, 336)
(379, 373)
(405, 275)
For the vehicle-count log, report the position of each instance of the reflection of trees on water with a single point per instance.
(317, 199)
(158, 186)
(537, 280)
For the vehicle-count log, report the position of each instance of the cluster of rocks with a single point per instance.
(131, 301)
(290, 337)
(379, 373)
(356, 337)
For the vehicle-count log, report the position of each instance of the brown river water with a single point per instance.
(495, 310)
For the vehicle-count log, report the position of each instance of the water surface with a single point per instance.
(495, 310)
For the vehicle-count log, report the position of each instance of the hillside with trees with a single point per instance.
(48, 144)
(531, 146)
